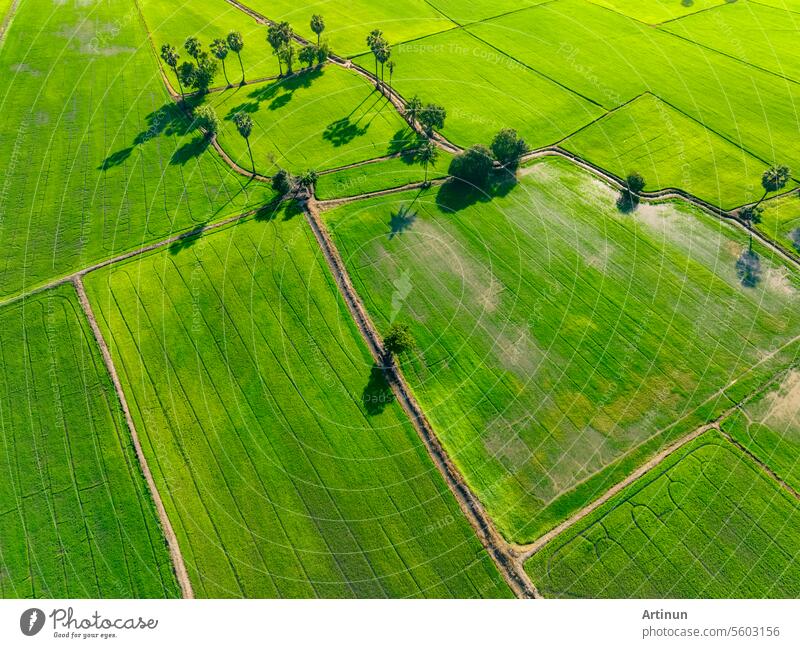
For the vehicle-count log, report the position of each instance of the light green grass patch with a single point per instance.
(285, 466)
(348, 23)
(484, 90)
(76, 518)
(705, 523)
(560, 342)
(759, 35)
(769, 427)
(670, 150)
(96, 159)
(173, 23)
(658, 11)
(319, 119)
(781, 221)
(375, 176)
(467, 12)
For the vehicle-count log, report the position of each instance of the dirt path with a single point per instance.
(6, 20)
(169, 534)
(501, 552)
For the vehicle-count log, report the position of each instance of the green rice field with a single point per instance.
(706, 523)
(285, 466)
(77, 520)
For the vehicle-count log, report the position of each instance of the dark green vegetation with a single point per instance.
(96, 158)
(769, 427)
(285, 466)
(560, 342)
(707, 522)
(77, 519)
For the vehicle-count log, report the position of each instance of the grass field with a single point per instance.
(670, 150)
(769, 427)
(658, 11)
(612, 59)
(560, 342)
(77, 519)
(321, 119)
(96, 160)
(781, 221)
(466, 12)
(174, 23)
(384, 174)
(483, 91)
(347, 24)
(285, 469)
(706, 523)
(752, 32)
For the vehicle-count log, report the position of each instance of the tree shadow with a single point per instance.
(187, 239)
(267, 212)
(401, 221)
(405, 141)
(280, 92)
(627, 202)
(190, 150)
(794, 237)
(456, 195)
(748, 268)
(343, 131)
(115, 159)
(377, 394)
(293, 208)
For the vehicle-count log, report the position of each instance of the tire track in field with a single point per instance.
(504, 556)
(169, 535)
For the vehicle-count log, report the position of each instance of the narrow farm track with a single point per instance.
(504, 556)
(6, 20)
(169, 534)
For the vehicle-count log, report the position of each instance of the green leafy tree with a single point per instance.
(206, 118)
(432, 118)
(307, 55)
(317, 26)
(308, 179)
(193, 48)
(751, 215)
(427, 154)
(774, 179)
(413, 108)
(634, 183)
(186, 74)
(219, 48)
(279, 35)
(170, 57)
(398, 340)
(284, 182)
(204, 74)
(473, 165)
(508, 148)
(244, 124)
(323, 52)
(236, 44)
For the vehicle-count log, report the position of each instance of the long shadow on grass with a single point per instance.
(278, 93)
(169, 120)
(377, 394)
(455, 195)
(187, 239)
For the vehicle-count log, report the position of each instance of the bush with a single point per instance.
(206, 118)
(398, 339)
(508, 148)
(634, 183)
(284, 182)
(473, 165)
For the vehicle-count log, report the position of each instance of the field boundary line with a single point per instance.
(7, 20)
(503, 555)
(178, 564)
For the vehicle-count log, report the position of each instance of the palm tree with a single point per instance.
(382, 54)
(170, 57)
(413, 106)
(278, 36)
(774, 179)
(373, 40)
(427, 154)
(236, 44)
(390, 65)
(245, 126)
(287, 53)
(219, 48)
(193, 48)
(317, 26)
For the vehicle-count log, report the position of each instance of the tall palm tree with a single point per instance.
(427, 154)
(219, 48)
(244, 124)
(193, 48)
(774, 179)
(170, 57)
(317, 26)
(236, 44)
(390, 65)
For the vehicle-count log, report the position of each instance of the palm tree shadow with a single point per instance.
(401, 221)
(187, 239)
(343, 131)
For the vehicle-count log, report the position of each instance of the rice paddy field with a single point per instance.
(563, 336)
(96, 157)
(77, 519)
(320, 119)
(560, 342)
(286, 467)
(708, 523)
